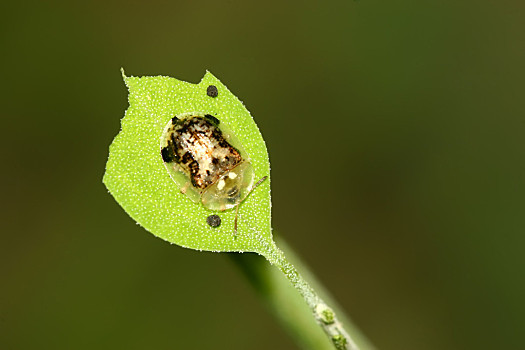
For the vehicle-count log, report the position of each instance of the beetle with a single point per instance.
(207, 162)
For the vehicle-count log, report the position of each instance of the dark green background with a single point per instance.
(396, 137)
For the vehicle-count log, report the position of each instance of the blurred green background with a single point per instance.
(396, 137)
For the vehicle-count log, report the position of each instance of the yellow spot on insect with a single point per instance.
(232, 175)
(221, 184)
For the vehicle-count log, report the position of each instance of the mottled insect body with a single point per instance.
(198, 146)
(206, 160)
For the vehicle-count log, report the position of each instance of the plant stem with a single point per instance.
(290, 306)
(323, 314)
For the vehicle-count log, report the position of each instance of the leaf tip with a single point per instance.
(123, 73)
(207, 76)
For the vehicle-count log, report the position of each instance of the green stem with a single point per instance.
(290, 306)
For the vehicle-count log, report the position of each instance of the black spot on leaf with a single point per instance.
(212, 91)
(214, 220)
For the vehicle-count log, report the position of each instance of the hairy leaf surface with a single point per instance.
(137, 179)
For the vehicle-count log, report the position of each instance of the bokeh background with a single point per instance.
(396, 137)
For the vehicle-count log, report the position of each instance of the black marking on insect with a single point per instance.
(167, 155)
(212, 119)
(214, 220)
(207, 162)
(212, 91)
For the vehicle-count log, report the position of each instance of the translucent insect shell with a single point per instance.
(206, 160)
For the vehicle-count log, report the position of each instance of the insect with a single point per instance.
(207, 162)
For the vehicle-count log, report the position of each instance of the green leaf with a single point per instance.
(139, 181)
(136, 176)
